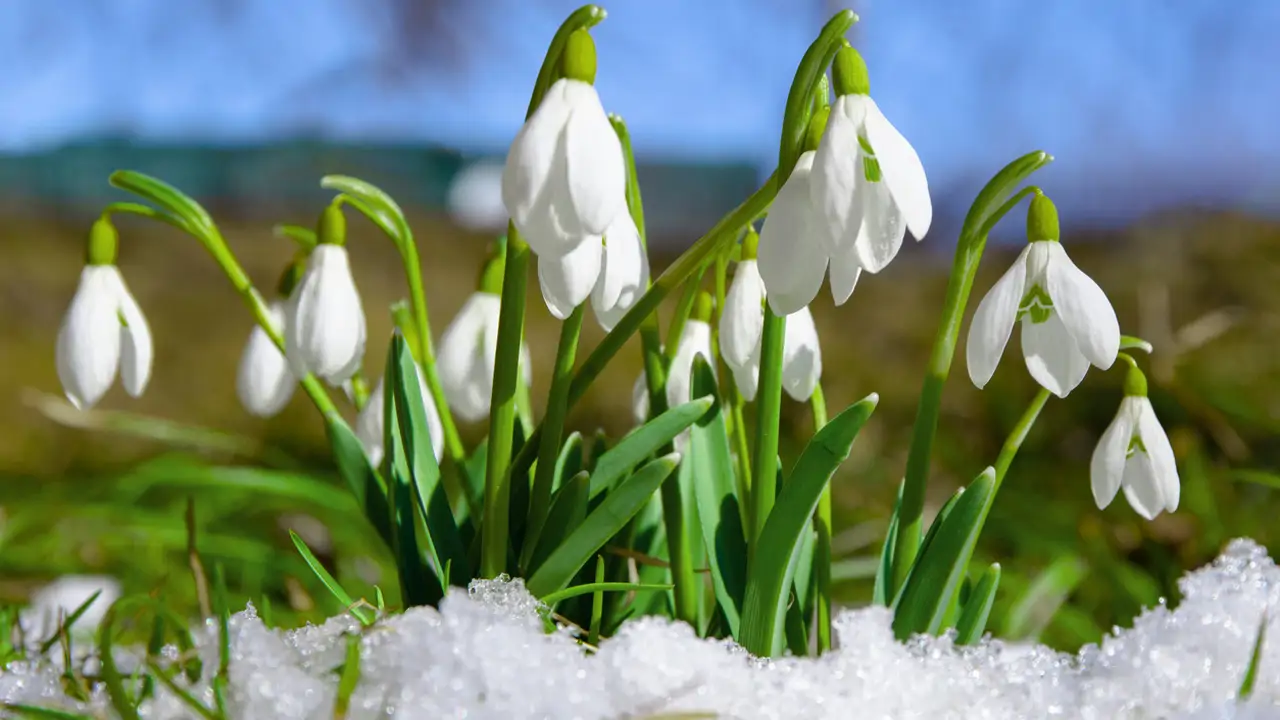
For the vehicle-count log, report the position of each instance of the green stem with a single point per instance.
(553, 431)
(502, 410)
(973, 239)
(743, 448)
(822, 524)
(769, 404)
(1017, 435)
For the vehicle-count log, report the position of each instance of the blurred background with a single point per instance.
(1161, 116)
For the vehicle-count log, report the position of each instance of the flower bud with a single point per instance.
(103, 243)
(579, 58)
(849, 73)
(1042, 219)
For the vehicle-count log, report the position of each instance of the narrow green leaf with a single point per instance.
(1255, 660)
(163, 194)
(349, 678)
(360, 612)
(937, 573)
(643, 442)
(929, 536)
(597, 605)
(568, 509)
(305, 237)
(570, 461)
(365, 483)
(1258, 477)
(589, 588)
(973, 619)
(1033, 611)
(769, 572)
(618, 507)
(884, 574)
(69, 622)
(719, 514)
(444, 543)
(38, 713)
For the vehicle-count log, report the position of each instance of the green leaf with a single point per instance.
(618, 507)
(165, 195)
(643, 442)
(69, 622)
(555, 597)
(939, 569)
(769, 573)
(1048, 592)
(365, 483)
(305, 237)
(568, 509)
(569, 462)
(31, 712)
(1255, 660)
(719, 516)
(444, 543)
(973, 619)
(938, 519)
(365, 615)
(884, 573)
(349, 677)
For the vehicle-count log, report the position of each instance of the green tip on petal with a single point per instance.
(750, 244)
(1135, 383)
(579, 59)
(491, 274)
(849, 73)
(1042, 219)
(332, 228)
(292, 275)
(817, 126)
(702, 311)
(104, 243)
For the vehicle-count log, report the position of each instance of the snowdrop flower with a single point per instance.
(372, 420)
(792, 255)
(742, 328)
(325, 334)
(868, 185)
(564, 180)
(1134, 454)
(1067, 321)
(104, 331)
(62, 597)
(264, 382)
(469, 349)
(695, 340)
(624, 272)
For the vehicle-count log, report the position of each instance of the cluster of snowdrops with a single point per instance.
(692, 486)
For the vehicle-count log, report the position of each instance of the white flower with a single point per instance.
(264, 382)
(801, 356)
(624, 272)
(868, 186)
(371, 421)
(695, 340)
(741, 333)
(793, 254)
(566, 280)
(1134, 453)
(62, 597)
(564, 180)
(468, 352)
(1067, 321)
(103, 332)
(326, 330)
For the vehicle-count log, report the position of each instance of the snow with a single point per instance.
(485, 654)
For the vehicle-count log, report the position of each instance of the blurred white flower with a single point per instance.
(325, 333)
(264, 382)
(1134, 454)
(468, 352)
(475, 198)
(371, 421)
(103, 332)
(63, 596)
(695, 340)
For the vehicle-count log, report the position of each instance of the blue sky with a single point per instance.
(1145, 103)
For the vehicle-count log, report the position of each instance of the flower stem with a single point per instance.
(1017, 435)
(552, 432)
(822, 524)
(769, 404)
(502, 410)
(982, 217)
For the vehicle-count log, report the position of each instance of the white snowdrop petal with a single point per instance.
(1106, 467)
(791, 259)
(623, 271)
(136, 350)
(801, 356)
(461, 361)
(1156, 441)
(742, 321)
(1084, 308)
(1141, 486)
(747, 377)
(597, 178)
(1051, 355)
(695, 340)
(88, 347)
(838, 175)
(264, 382)
(532, 153)
(901, 169)
(993, 322)
(883, 226)
(567, 280)
(370, 423)
(640, 399)
(328, 327)
(843, 274)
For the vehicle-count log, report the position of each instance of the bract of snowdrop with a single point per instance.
(468, 352)
(564, 180)
(326, 329)
(624, 272)
(371, 421)
(1067, 321)
(104, 330)
(264, 381)
(1134, 454)
(868, 185)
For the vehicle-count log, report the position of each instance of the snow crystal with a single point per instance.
(486, 654)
